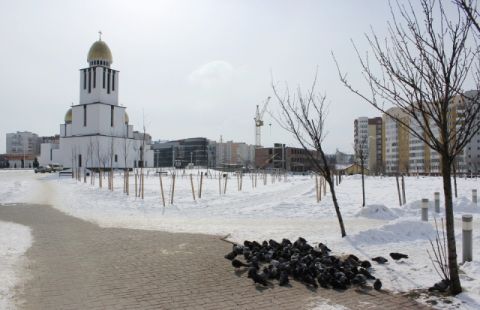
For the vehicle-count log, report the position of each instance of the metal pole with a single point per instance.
(425, 209)
(467, 229)
(437, 202)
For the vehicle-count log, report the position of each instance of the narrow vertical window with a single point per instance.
(84, 115)
(79, 160)
(84, 79)
(111, 115)
(94, 77)
(104, 78)
(108, 81)
(116, 158)
(113, 81)
(89, 81)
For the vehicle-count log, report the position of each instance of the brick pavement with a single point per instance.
(77, 265)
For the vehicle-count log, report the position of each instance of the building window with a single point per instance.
(108, 81)
(94, 77)
(89, 80)
(84, 79)
(79, 160)
(111, 116)
(113, 81)
(84, 115)
(116, 158)
(104, 78)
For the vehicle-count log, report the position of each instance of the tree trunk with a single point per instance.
(455, 286)
(455, 179)
(363, 183)
(335, 204)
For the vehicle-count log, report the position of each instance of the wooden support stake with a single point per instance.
(219, 185)
(161, 189)
(403, 190)
(225, 188)
(193, 189)
(398, 190)
(200, 187)
(173, 188)
(136, 184)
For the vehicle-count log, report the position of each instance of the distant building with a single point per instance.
(344, 158)
(181, 153)
(396, 142)
(23, 142)
(368, 142)
(4, 161)
(234, 153)
(18, 161)
(287, 158)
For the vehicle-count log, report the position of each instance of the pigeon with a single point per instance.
(377, 285)
(253, 274)
(441, 286)
(366, 264)
(359, 279)
(231, 255)
(283, 280)
(380, 259)
(397, 256)
(237, 264)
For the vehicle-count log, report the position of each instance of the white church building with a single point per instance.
(96, 132)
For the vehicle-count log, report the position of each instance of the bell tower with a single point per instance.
(98, 82)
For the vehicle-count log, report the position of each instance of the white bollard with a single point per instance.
(437, 202)
(474, 196)
(467, 229)
(425, 209)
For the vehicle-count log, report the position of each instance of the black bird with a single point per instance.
(237, 264)
(441, 286)
(283, 280)
(377, 285)
(359, 279)
(366, 264)
(380, 259)
(231, 255)
(366, 273)
(397, 256)
(253, 274)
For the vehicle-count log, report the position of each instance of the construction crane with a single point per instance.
(259, 122)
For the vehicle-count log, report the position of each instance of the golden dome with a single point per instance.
(68, 116)
(99, 51)
(125, 118)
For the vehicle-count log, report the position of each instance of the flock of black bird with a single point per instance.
(313, 266)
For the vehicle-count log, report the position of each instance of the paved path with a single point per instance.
(78, 265)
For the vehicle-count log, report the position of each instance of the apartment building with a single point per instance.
(395, 141)
(368, 142)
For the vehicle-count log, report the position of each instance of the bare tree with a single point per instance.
(470, 9)
(361, 154)
(303, 115)
(421, 68)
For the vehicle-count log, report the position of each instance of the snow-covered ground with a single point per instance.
(15, 240)
(284, 209)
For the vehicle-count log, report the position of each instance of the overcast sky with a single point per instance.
(193, 68)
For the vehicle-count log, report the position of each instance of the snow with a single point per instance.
(15, 240)
(283, 209)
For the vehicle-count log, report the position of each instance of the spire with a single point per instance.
(100, 35)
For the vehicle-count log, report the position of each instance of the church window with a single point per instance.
(84, 115)
(89, 80)
(108, 81)
(111, 115)
(84, 79)
(79, 160)
(94, 77)
(104, 78)
(113, 81)
(116, 158)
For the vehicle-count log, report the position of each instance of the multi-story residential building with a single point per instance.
(368, 142)
(396, 142)
(23, 142)
(234, 153)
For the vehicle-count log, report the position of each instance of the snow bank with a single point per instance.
(401, 231)
(15, 240)
(378, 212)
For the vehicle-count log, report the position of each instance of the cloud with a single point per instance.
(214, 73)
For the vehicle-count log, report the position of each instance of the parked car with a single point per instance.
(56, 167)
(43, 169)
